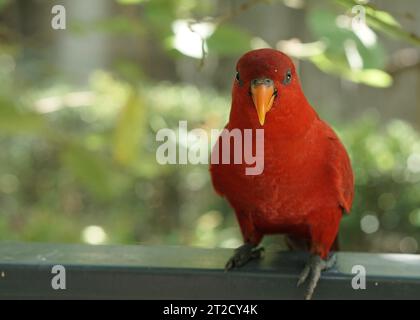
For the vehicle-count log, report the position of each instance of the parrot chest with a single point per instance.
(293, 184)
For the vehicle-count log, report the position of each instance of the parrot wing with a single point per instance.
(217, 176)
(342, 171)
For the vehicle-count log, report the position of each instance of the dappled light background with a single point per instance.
(80, 109)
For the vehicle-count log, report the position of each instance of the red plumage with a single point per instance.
(307, 181)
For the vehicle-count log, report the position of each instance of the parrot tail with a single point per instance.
(336, 245)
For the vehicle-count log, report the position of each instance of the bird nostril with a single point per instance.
(264, 81)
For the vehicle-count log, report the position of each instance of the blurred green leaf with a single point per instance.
(129, 131)
(323, 24)
(335, 58)
(14, 120)
(160, 14)
(90, 169)
(383, 21)
(371, 77)
(383, 16)
(3, 3)
(229, 40)
(119, 25)
(114, 26)
(129, 2)
(38, 227)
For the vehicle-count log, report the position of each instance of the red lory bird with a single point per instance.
(307, 182)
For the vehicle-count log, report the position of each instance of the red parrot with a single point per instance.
(307, 182)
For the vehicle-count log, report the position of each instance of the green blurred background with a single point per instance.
(80, 108)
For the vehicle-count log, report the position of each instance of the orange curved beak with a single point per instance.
(263, 97)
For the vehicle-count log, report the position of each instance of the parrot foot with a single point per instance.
(242, 255)
(314, 267)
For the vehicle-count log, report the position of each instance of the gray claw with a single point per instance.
(242, 255)
(314, 267)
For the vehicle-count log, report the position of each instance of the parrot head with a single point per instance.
(266, 81)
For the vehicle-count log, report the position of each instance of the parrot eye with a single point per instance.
(238, 78)
(288, 77)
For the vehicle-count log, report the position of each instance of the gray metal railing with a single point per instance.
(153, 272)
